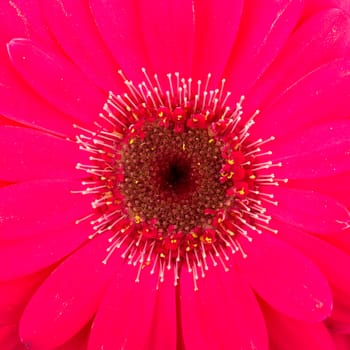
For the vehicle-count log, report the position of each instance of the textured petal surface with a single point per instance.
(286, 279)
(309, 210)
(125, 43)
(62, 84)
(222, 314)
(34, 206)
(68, 299)
(305, 50)
(168, 30)
(288, 334)
(164, 328)
(304, 156)
(216, 28)
(126, 307)
(42, 250)
(26, 154)
(14, 295)
(73, 26)
(264, 28)
(303, 105)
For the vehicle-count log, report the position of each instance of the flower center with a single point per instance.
(172, 177)
(175, 178)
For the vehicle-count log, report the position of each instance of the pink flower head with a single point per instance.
(174, 175)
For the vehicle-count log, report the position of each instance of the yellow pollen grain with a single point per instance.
(137, 219)
(183, 147)
(131, 141)
(231, 161)
(211, 141)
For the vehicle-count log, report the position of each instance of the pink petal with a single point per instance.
(309, 210)
(31, 207)
(73, 26)
(286, 279)
(312, 6)
(26, 154)
(304, 51)
(33, 111)
(69, 297)
(337, 186)
(164, 330)
(42, 250)
(9, 338)
(23, 19)
(168, 30)
(342, 341)
(332, 262)
(124, 318)
(120, 25)
(318, 151)
(288, 334)
(319, 96)
(216, 27)
(222, 314)
(264, 28)
(15, 294)
(61, 84)
(79, 341)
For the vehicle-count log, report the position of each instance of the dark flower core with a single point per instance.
(175, 177)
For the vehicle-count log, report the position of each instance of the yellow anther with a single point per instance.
(137, 219)
(231, 161)
(162, 255)
(183, 146)
(131, 141)
(211, 140)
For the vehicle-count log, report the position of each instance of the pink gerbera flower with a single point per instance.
(174, 175)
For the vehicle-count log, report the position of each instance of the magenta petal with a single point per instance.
(304, 51)
(168, 30)
(289, 334)
(61, 84)
(164, 330)
(264, 29)
(286, 279)
(9, 338)
(319, 151)
(302, 104)
(73, 26)
(26, 154)
(31, 207)
(42, 250)
(69, 297)
(309, 210)
(124, 318)
(23, 19)
(342, 341)
(15, 294)
(216, 27)
(120, 25)
(332, 262)
(222, 314)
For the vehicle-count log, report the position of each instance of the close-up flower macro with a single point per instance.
(175, 174)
